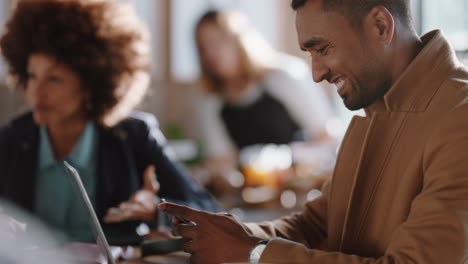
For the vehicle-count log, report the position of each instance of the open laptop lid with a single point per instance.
(101, 238)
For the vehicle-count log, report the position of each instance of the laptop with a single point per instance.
(100, 237)
(148, 247)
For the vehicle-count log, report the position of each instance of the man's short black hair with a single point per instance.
(356, 10)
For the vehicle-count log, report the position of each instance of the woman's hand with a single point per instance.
(141, 205)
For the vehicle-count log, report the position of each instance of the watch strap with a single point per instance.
(257, 251)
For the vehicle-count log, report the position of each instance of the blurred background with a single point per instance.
(174, 94)
(174, 64)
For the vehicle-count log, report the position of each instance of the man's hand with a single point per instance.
(214, 238)
(141, 205)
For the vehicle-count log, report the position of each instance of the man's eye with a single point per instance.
(322, 50)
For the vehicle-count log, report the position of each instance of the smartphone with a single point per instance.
(160, 246)
(181, 219)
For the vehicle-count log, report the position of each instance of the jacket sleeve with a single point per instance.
(307, 227)
(436, 230)
(175, 183)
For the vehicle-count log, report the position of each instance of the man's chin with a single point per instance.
(353, 106)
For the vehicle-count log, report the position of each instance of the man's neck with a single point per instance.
(408, 46)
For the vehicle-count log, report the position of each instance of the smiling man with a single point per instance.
(361, 55)
(399, 192)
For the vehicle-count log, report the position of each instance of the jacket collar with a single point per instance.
(413, 91)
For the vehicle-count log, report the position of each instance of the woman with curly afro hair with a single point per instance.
(82, 66)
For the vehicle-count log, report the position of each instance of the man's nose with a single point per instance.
(319, 70)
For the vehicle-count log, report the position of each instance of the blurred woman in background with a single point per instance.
(253, 94)
(82, 66)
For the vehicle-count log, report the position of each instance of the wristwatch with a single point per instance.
(257, 251)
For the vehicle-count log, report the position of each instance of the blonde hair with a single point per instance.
(255, 53)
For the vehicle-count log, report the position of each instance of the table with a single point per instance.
(173, 258)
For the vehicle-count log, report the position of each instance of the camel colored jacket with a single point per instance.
(399, 192)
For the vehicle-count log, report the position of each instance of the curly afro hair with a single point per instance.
(102, 41)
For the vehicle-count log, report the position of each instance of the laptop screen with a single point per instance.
(94, 222)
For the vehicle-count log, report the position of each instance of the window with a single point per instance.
(151, 12)
(4, 7)
(448, 15)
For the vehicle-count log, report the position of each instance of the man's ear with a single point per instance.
(380, 24)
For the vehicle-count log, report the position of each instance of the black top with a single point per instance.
(123, 153)
(265, 121)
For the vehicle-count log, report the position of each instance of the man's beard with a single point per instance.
(364, 95)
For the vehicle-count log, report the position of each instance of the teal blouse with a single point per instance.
(57, 202)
